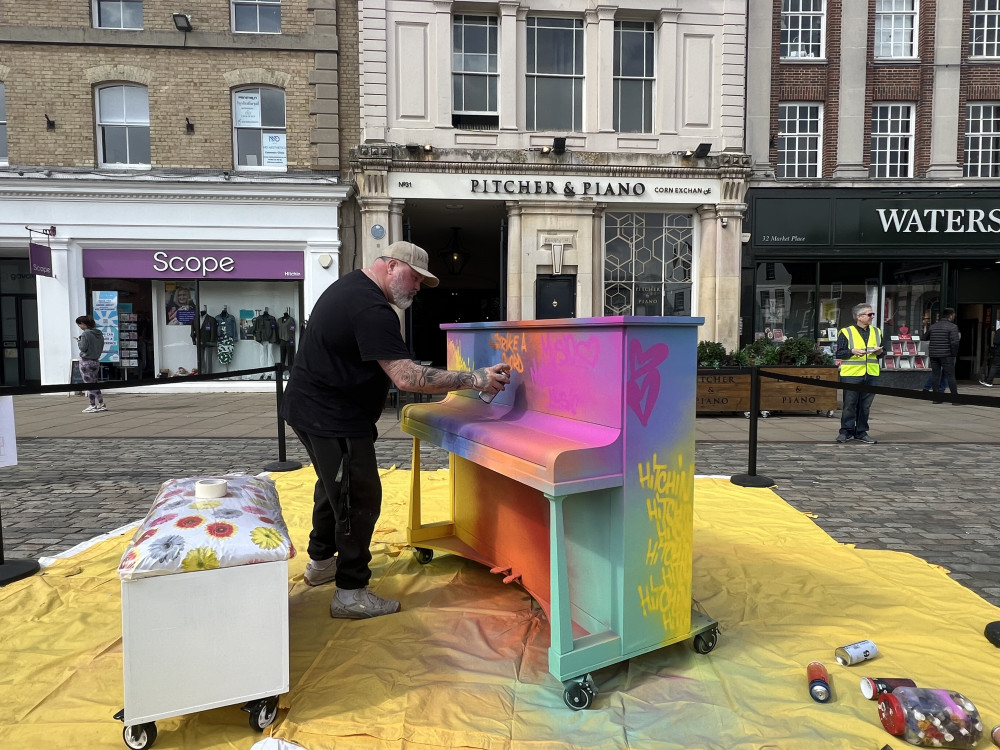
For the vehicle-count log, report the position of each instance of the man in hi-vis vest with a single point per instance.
(858, 348)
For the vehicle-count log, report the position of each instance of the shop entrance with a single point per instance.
(466, 242)
(19, 327)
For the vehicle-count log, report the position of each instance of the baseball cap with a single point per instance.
(413, 256)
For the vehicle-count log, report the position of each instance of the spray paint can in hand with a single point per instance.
(853, 653)
(873, 687)
(819, 681)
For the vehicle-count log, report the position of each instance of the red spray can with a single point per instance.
(819, 681)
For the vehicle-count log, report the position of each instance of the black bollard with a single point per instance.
(281, 464)
(750, 479)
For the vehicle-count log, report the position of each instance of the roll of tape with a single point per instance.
(211, 488)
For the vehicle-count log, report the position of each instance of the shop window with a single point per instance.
(259, 128)
(984, 29)
(257, 16)
(475, 72)
(800, 143)
(3, 123)
(633, 76)
(895, 23)
(911, 296)
(647, 264)
(118, 14)
(785, 301)
(982, 140)
(803, 28)
(123, 126)
(892, 141)
(554, 83)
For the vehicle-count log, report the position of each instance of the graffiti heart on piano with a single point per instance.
(643, 386)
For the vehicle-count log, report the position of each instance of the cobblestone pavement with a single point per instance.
(935, 501)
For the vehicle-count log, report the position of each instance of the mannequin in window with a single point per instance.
(205, 336)
(286, 341)
(265, 332)
(226, 325)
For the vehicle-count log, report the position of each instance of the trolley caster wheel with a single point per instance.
(423, 555)
(579, 695)
(705, 642)
(262, 713)
(765, 414)
(830, 413)
(139, 736)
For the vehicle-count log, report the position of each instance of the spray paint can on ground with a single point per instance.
(995, 735)
(873, 687)
(854, 653)
(930, 717)
(819, 681)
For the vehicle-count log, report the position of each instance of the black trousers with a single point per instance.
(286, 351)
(943, 368)
(344, 517)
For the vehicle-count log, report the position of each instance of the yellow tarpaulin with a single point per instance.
(464, 664)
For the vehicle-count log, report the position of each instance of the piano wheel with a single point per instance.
(423, 555)
(705, 642)
(579, 694)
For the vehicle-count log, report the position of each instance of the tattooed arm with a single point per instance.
(408, 375)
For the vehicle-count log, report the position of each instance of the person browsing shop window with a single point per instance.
(91, 345)
(859, 347)
(349, 353)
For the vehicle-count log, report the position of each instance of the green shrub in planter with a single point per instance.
(712, 354)
(802, 352)
(762, 351)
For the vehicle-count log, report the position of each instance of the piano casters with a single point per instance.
(580, 693)
(423, 555)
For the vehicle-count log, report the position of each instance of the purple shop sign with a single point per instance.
(193, 264)
(40, 259)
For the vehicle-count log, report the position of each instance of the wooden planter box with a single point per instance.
(729, 390)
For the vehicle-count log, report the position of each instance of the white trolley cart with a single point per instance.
(205, 604)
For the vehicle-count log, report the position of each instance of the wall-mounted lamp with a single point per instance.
(49, 124)
(724, 222)
(325, 260)
(546, 150)
(428, 148)
(702, 151)
(413, 148)
(558, 146)
(188, 125)
(182, 22)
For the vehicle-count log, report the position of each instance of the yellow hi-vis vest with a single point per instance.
(862, 364)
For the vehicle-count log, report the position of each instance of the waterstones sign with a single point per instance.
(934, 221)
(549, 187)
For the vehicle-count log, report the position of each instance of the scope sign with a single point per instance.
(163, 262)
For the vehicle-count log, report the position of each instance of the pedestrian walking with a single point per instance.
(350, 352)
(943, 337)
(994, 362)
(858, 348)
(91, 345)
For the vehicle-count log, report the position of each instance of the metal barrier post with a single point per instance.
(279, 387)
(750, 479)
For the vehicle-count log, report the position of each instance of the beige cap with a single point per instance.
(413, 256)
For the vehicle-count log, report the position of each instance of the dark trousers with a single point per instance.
(857, 405)
(286, 351)
(343, 521)
(994, 369)
(944, 367)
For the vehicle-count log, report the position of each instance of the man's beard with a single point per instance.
(401, 296)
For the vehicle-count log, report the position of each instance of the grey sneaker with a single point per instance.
(101, 407)
(361, 604)
(90, 409)
(867, 439)
(319, 572)
(843, 438)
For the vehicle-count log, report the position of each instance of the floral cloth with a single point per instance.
(183, 533)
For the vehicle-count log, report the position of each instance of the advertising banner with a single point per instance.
(106, 317)
(40, 259)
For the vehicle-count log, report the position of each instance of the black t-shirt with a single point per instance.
(337, 388)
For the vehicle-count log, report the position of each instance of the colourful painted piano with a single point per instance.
(576, 482)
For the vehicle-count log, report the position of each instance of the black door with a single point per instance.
(555, 297)
(19, 338)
